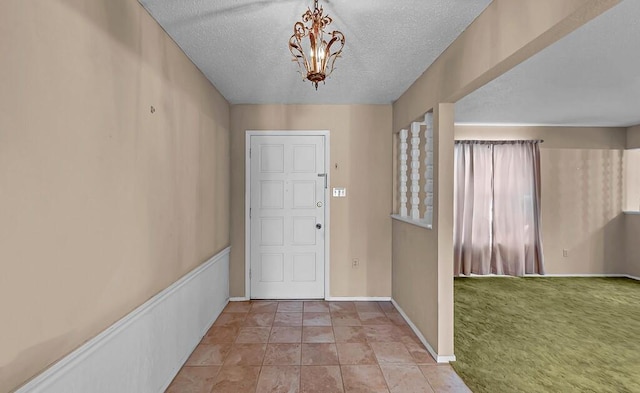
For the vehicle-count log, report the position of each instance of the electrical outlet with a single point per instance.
(355, 263)
(565, 252)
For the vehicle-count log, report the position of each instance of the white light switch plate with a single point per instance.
(339, 192)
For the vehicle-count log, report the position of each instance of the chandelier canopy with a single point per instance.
(314, 55)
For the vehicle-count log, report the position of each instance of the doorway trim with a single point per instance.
(247, 202)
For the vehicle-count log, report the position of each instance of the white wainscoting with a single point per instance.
(142, 352)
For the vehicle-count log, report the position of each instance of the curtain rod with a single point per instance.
(497, 142)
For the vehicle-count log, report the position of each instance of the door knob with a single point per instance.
(318, 226)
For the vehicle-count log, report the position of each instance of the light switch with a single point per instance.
(339, 192)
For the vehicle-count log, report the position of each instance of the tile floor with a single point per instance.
(312, 346)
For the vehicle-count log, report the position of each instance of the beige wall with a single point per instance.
(415, 277)
(443, 139)
(360, 161)
(505, 34)
(633, 137)
(582, 190)
(422, 288)
(102, 204)
(632, 221)
(632, 239)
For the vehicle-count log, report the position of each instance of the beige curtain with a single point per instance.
(497, 208)
(472, 208)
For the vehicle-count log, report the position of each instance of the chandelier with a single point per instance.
(314, 55)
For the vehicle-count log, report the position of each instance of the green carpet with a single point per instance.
(548, 334)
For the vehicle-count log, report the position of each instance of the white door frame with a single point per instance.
(247, 202)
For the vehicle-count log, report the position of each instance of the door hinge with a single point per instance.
(249, 153)
(249, 213)
(249, 274)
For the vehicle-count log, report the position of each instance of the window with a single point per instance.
(497, 208)
(631, 180)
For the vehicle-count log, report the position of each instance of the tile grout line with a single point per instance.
(264, 355)
(344, 387)
(428, 380)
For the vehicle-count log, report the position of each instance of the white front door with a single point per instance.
(287, 216)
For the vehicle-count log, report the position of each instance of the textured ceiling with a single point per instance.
(589, 78)
(241, 45)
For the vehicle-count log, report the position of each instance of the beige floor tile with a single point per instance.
(316, 319)
(209, 354)
(263, 307)
(387, 306)
(407, 335)
(340, 307)
(349, 334)
(443, 379)
(345, 319)
(236, 379)
(253, 335)
(194, 380)
(288, 319)
(221, 334)
(321, 379)
(316, 306)
(317, 334)
(371, 314)
(319, 355)
(230, 319)
(358, 336)
(409, 339)
(245, 355)
(259, 319)
(405, 379)
(374, 318)
(392, 352)
(282, 355)
(382, 333)
(419, 353)
(396, 318)
(279, 379)
(237, 307)
(355, 353)
(363, 379)
(367, 307)
(285, 334)
(290, 306)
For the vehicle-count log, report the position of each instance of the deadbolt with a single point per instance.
(319, 226)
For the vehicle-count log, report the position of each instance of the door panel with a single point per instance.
(287, 234)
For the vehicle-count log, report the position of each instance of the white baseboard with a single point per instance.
(576, 275)
(549, 275)
(331, 298)
(585, 275)
(358, 298)
(434, 354)
(142, 352)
